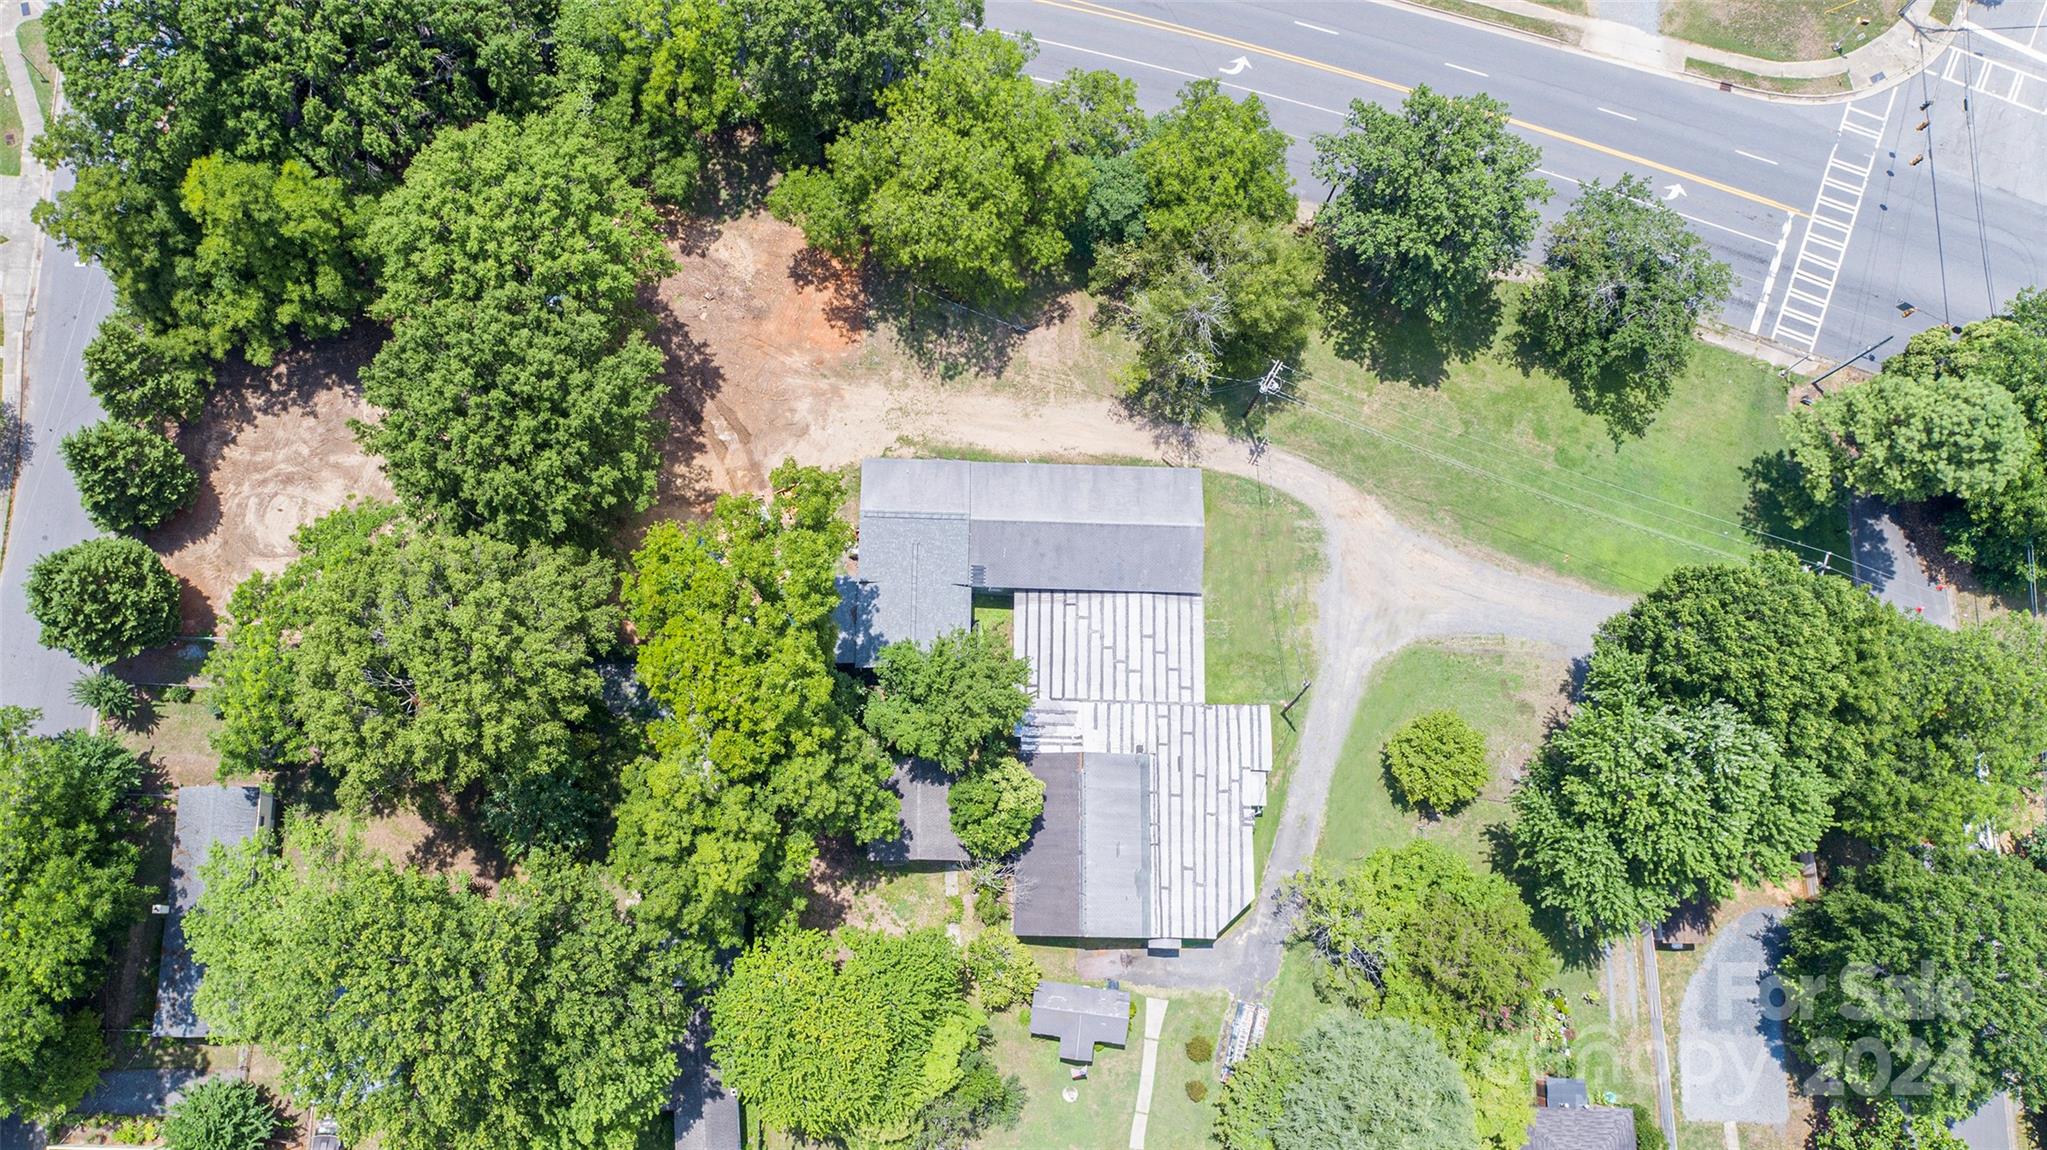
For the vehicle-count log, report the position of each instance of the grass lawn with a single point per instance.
(1501, 456)
(10, 132)
(1100, 1117)
(1832, 82)
(1479, 10)
(176, 736)
(35, 48)
(1506, 692)
(1780, 29)
(992, 610)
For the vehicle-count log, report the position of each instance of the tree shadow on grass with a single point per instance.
(1363, 328)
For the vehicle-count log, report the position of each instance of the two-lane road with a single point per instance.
(1751, 175)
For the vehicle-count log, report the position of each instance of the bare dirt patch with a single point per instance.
(274, 451)
(441, 846)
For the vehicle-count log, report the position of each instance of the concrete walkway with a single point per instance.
(1147, 1077)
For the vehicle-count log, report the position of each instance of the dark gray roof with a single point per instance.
(927, 818)
(142, 1092)
(934, 530)
(1567, 1092)
(1086, 873)
(206, 817)
(1994, 1126)
(1582, 1128)
(1079, 1017)
(706, 1114)
(17, 1134)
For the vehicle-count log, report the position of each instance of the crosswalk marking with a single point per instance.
(1837, 203)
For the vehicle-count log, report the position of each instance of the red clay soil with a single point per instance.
(274, 451)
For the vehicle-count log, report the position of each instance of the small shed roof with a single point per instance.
(1079, 1017)
(1582, 1128)
(926, 818)
(1566, 1092)
(206, 817)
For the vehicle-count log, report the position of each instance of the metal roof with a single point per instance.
(1079, 1017)
(1045, 898)
(1111, 645)
(206, 817)
(934, 530)
(1582, 1128)
(926, 819)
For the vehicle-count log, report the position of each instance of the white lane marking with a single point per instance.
(1576, 182)
(1793, 323)
(1611, 112)
(1559, 176)
(1462, 68)
(1317, 28)
(1982, 75)
(2006, 41)
(1753, 156)
(1755, 324)
(1258, 92)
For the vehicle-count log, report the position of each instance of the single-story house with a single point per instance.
(1079, 1017)
(1567, 1120)
(206, 817)
(1151, 792)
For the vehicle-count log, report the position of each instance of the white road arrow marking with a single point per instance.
(1674, 191)
(1236, 66)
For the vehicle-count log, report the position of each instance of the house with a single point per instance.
(706, 1113)
(207, 817)
(1150, 791)
(1994, 1126)
(1079, 1017)
(1567, 1120)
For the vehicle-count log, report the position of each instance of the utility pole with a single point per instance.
(1844, 363)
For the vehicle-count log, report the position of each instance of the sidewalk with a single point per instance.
(1625, 30)
(18, 195)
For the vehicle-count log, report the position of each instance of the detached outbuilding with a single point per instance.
(207, 817)
(1079, 1017)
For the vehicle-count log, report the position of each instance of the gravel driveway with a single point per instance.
(1732, 1066)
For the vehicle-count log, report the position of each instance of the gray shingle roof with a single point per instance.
(933, 530)
(1079, 1017)
(1086, 873)
(926, 819)
(1582, 1128)
(206, 817)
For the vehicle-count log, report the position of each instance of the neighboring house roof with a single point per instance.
(1086, 872)
(1566, 1092)
(18, 1134)
(706, 1114)
(1111, 645)
(934, 530)
(1994, 1126)
(1079, 1017)
(926, 818)
(206, 817)
(1582, 1128)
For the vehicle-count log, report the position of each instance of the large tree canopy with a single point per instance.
(426, 1015)
(1351, 1081)
(67, 885)
(413, 664)
(965, 180)
(1923, 977)
(1211, 161)
(1430, 202)
(954, 703)
(1639, 804)
(813, 68)
(1623, 284)
(658, 77)
(129, 478)
(760, 752)
(103, 599)
(845, 1052)
(517, 389)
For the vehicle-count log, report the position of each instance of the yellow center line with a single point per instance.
(1090, 9)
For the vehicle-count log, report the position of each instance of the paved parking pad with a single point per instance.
(1732, 1065)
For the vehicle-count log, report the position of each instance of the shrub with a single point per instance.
(995, 806)
(990, 907)
(1648, 1131)
(129, 478)
(1003, 971)
(176, 693)
(106, 695)
(1197, 1090)
(1200, 1048)
(103, 599)
(1438, 761)
(135, 1130)
(220, 1114)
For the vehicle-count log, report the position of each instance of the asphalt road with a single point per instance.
(70, 302)
(1750, 174)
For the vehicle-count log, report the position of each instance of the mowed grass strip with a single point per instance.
(35, 48)
(1781, 29)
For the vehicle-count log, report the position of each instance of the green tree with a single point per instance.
(1880, 1124)
(984, 1098)
(1002, 970)
(1363, 1083)
(1431, 202)
(129, 478)
(814, 68)
(658, 77)
(221, 1114)
(1623, 284)
(103, 599)
(516, 390)
(1910, 438)
(67, 888)
(1918, 978)
(142, 378)
(846, 1052)
(1438, 761)
(1210, 163)
(995, 806)
(1638, 804)
(424, 1014)
(954, 704)
(966, 180)
(415, 664)
(759, 754)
